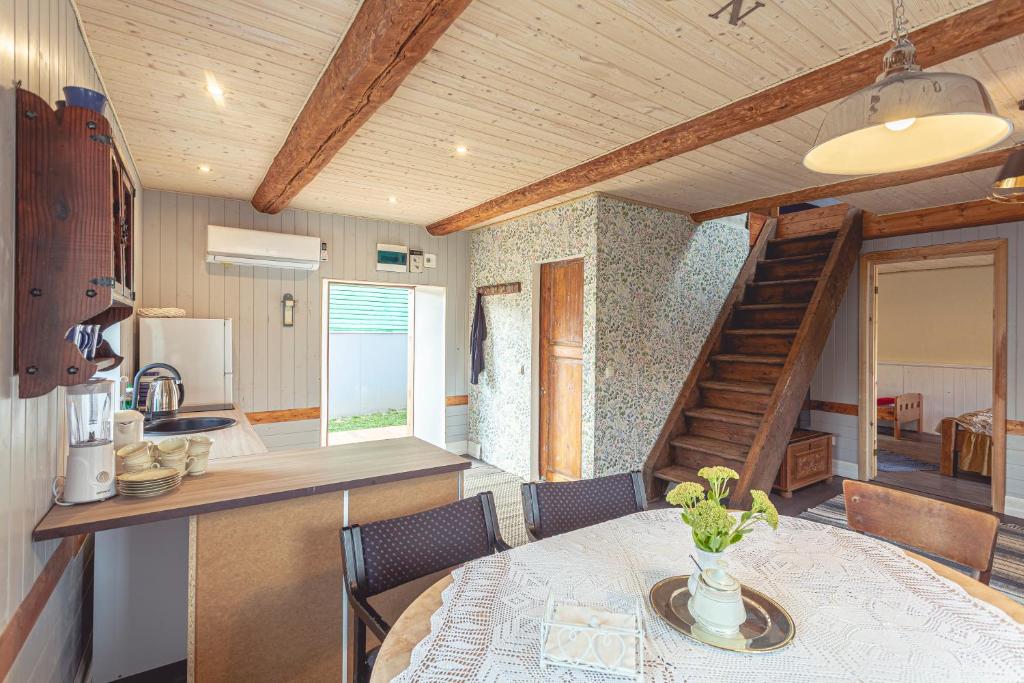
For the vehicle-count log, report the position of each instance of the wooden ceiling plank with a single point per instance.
(864, 184)
(941, 41)
(949, 217)
(386, 40)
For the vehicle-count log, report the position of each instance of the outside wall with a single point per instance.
(40, 45)
(836, 377)
(653, 284)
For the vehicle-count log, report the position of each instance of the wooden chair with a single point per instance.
(382, 555)
(552, 508)
(956, 533)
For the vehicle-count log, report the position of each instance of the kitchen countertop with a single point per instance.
(237, 440)
(232, 482)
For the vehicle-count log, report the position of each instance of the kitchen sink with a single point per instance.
(187, 425)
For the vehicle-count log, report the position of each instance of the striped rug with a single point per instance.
(507, 499)
(1007, 566)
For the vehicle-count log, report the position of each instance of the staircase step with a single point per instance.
(742, 387)
(749, 397)
(767, 341)
(748, 367)
(697, 451)
(734, 417)
(795, 291)
(789, 267)
(801, 245)
(768, 315)
(677, 474)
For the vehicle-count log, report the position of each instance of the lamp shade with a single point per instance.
(1009, 184)
(909, 119)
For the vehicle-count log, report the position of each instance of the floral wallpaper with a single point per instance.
(501, 405)
(661, 283)
(653, 284)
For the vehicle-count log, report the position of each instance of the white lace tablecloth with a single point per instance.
(864, 611)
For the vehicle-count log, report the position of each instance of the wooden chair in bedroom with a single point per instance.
(960, 534)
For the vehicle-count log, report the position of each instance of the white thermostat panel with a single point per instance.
(392, 257)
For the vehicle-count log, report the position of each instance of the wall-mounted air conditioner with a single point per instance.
(258, 248)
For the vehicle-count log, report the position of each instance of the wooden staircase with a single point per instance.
(741, 400)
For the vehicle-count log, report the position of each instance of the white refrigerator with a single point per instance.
(199, 349)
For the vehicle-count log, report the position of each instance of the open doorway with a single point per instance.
(933, 371)
(368, 352)
(383, 362)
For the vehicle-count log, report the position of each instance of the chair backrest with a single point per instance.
(960, 534)
(552, 508)
(381, 555)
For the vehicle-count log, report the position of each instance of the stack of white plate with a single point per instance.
(146, 483)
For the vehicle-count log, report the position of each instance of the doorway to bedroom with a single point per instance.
(933, 371)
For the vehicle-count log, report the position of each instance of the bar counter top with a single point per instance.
(255, 479)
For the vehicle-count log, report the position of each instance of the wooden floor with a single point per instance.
(966, 489)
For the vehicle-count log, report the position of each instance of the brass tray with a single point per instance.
(768, 626)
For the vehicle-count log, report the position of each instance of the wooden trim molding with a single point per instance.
(386, 39)
(948, 217)
(456, 400)
(946, 39)
(1015, 427)
(18, 629)
(975, 162)
(833, 407)
(288, 415)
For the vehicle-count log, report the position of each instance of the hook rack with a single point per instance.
(506, 288)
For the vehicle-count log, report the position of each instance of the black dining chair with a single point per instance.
(552, 508)
(382, 555)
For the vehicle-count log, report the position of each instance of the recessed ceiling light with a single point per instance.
(461, 150)
(216, 92)
(392, 199)
(203, 168)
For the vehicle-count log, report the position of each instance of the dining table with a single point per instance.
(863, 609)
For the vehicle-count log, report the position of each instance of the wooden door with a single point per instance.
(561, 369)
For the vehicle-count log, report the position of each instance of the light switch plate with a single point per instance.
(430, 260)
(415, 261)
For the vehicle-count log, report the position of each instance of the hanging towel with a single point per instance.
(476, 341)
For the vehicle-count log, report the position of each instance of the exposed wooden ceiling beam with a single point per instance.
(975, 162)
(939, 42)
(948, 217)
(386, 39)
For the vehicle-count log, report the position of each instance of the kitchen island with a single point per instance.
(265, 598)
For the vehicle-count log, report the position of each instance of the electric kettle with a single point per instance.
(164, 395)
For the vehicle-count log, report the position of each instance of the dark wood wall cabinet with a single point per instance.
(74, 253)
(808, 460)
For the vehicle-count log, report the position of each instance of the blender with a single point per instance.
(89, 475)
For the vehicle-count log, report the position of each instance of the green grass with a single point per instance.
(387, 418)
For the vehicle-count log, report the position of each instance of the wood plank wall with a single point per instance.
(277, 368)
(40, 45)
(836, 377)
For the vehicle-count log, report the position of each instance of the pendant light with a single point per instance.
(1009, 184)
(907, 118)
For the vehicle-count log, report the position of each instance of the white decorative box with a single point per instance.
(592, 638)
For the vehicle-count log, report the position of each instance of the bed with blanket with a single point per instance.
(900, 410)
(966, 443)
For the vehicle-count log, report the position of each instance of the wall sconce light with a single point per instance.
(288, 302)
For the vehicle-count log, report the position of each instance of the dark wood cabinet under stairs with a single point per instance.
(740, 403)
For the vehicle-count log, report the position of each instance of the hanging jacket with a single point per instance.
(476, 341)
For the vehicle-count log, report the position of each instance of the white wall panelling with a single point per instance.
(41, 46)
(836, 376)
(947, 390)
(278, 367)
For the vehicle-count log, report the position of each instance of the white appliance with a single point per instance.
(261, 248)
(200, 349)
(89, 474)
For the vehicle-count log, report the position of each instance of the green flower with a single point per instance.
(761, 505)
(717, 473)
(685, 494)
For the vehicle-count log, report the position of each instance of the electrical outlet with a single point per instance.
(430, 260)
